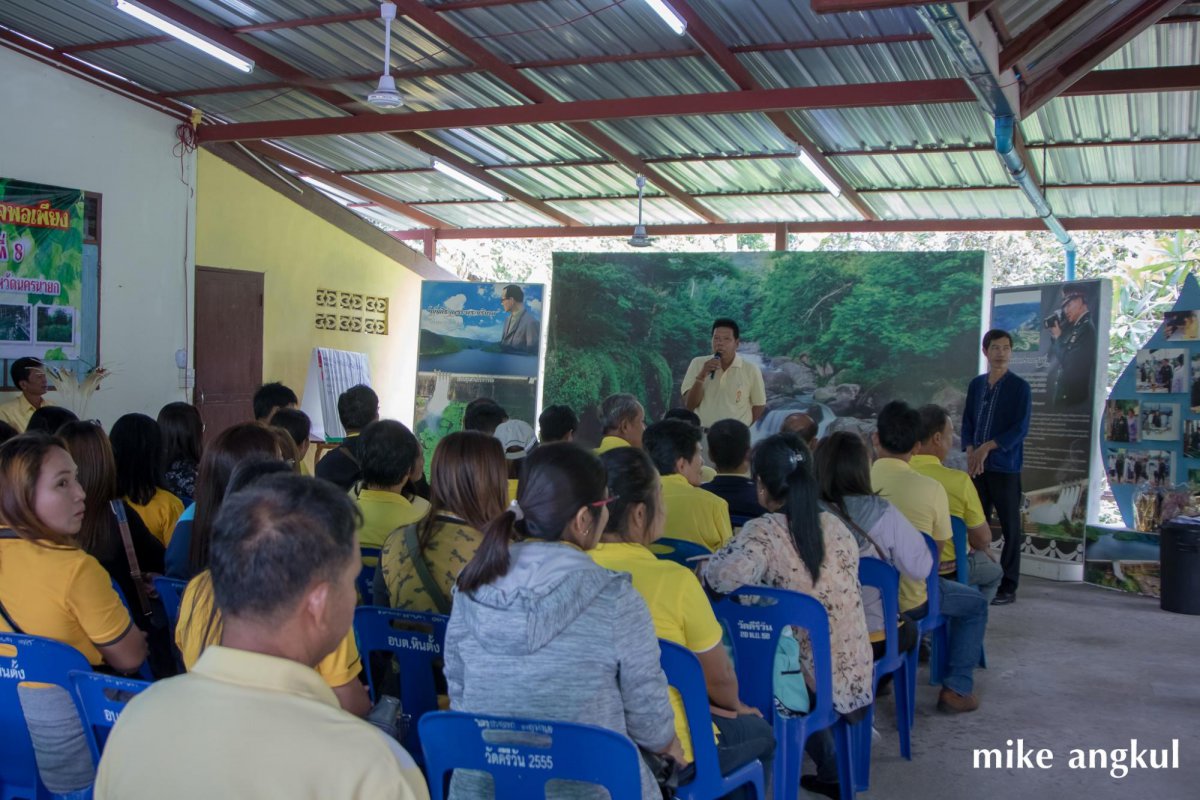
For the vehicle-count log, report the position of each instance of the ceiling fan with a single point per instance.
(386, 95)
(639, 238)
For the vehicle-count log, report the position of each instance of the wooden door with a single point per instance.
(229, 346)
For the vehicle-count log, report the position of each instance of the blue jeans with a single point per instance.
(966, 613)
(985, 574)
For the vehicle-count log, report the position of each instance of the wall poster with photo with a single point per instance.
(1163, 370)
(1160, 422)
(1121, 420)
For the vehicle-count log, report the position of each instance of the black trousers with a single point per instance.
(1002, 491)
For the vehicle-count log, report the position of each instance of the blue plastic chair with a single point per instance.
(934, 624)
(144, 671)
(754, 635)
(28, 659)
(685, 674)
(679, 551)
(738, 521)
(884, 577)
(417, 648)
(366, 576)
(522, 755)
(170, 591)
(101, 699)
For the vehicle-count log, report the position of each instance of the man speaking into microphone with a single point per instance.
(724, 385)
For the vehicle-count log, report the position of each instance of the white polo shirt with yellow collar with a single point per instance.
(730, 394)
(243, 724)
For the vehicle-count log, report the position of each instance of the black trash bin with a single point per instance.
(1179, 551)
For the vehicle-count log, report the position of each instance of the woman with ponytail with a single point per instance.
(540, 630)
(799, 547)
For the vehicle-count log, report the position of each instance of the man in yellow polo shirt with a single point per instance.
(724, 385)
(253, 718)
(923, 501)
(693, 514)
(937, 437)
(28, 375)
(623, 421)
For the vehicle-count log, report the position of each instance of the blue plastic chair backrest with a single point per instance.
(754, 634)
(932, 587)
(521, 755)
(885, 578)
(416, 640)
(366, 576)
(962, 569)
(679, 551)
(738, 521)
(170, 591)
(102, 698)
(686, 676)
(27, 659)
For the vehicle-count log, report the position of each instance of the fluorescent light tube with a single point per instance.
(818, 173)
(338, 195)
(184, 35)
(669, 16)
(467, 180)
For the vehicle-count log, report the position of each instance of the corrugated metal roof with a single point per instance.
(655, 210)
(489, 215)
(265, 105)
(1103, 118)
(758, 175)
(69, 22)
(819, 206)
(415, 187)
(915, 171)
(1141, 201)
(828, 66)
(361, 151)
(767, 21)
(1174, 45)
(633, 79)
(584, 181)
(933, 125)
(698, 136)
(1150, 163)
(520, 144)
(990, 204)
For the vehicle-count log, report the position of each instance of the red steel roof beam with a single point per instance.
(977, 7)
(456, 38)
(1055, 82)
(851, 6)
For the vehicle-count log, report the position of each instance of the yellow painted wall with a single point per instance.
(242, 224)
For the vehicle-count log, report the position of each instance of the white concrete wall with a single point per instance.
(61, 130)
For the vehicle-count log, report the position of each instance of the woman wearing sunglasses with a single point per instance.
(540, 630)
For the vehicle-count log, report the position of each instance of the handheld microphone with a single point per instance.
(712, 373)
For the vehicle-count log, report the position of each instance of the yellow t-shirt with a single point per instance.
(678, 606)
(452, 543)
(731, 394)
(16, 412)
(200, 626)
(922, 500)
(60, 593)
(611, 443)
(244, 724)
(512, 489)
(960, 493)
(160, 514)
(695, 515)
(385, 511)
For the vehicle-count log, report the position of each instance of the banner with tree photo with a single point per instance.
(41, 271)
(842, 332)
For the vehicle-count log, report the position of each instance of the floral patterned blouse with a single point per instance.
(762, 553)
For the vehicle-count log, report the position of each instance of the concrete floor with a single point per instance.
(1070, 665)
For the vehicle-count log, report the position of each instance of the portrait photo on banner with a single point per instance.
(1121, 420)
(1163, 371)
(836, 335)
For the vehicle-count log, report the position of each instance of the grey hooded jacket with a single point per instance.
(560, 638)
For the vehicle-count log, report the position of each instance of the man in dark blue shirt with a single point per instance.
(995, 422)
(729, 449)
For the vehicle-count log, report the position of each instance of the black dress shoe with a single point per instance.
(830, 789)
(1004, 598)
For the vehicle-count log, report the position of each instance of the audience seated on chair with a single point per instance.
(183, 443)
(937, 437)
(622, 422)
(387, 451)
(707, 473)
(539, 630)
(252, 718)
(557, 424)
(923, 501)
(678, 606)
(29, 376)
(298, 426)
(483, 414)
(48, 419)
(187, 554)
(200, 625)
(271, 397)
(137, 449)
(517, 439)
(468, 490)
(729, 449)
(692, 513)
(358, 407)
(844, 475)
(801, 548)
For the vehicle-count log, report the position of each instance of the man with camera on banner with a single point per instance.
(1072, 352)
